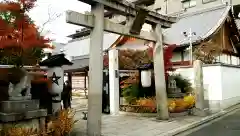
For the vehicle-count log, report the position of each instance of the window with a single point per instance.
(189, 3)
(207, 1)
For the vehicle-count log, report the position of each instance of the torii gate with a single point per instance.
(96, 21)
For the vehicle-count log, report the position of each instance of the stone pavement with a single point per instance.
(135, 126)
(124, 125)
(129, 125)
(79, 103)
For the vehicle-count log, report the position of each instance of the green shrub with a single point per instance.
(182, 83)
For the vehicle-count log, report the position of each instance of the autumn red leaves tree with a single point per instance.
(20, 41)
(168, 54)
(130, 59)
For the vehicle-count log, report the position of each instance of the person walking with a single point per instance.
(67, 95)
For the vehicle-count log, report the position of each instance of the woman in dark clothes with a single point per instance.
(67, 95)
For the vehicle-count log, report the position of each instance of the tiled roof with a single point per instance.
(204, 23)
(57, 60)
(79, 64)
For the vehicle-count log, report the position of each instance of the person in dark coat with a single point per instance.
(67, 95)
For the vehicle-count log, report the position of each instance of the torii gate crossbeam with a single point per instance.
(88, 21)
(126, 8)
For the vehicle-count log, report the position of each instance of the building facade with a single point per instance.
(182, 6)
(213, 27)
(208, 19)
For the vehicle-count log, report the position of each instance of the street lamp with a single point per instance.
(189, 35)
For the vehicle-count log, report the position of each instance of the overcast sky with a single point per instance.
(59, 28)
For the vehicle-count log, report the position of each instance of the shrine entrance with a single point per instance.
(96, 21)
(78, 76)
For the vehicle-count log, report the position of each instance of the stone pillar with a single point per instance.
(114, 81)
(56, 74)
(199, 89)
(160, 83)
(96, 72)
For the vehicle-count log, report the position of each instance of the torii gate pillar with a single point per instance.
(160, 83)
(96, 72)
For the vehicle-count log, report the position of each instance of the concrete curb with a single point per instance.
(201, 122)
(152, 114)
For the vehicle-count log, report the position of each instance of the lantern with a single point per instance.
(146, 76)
(56, 75)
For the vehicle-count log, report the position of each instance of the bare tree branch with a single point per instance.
(208, 51)
(51, 17)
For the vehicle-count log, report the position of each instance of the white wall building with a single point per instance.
(221, 88)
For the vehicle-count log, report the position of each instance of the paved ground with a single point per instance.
(227, 126)
(142, 126)
(135, 126)
(129, 125)
(79, 103)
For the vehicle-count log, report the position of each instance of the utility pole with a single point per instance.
(190, 45)
(166, 2)
(98, 24)
(189, 35)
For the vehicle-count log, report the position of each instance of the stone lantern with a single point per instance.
(55, 73)
(173, 90)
